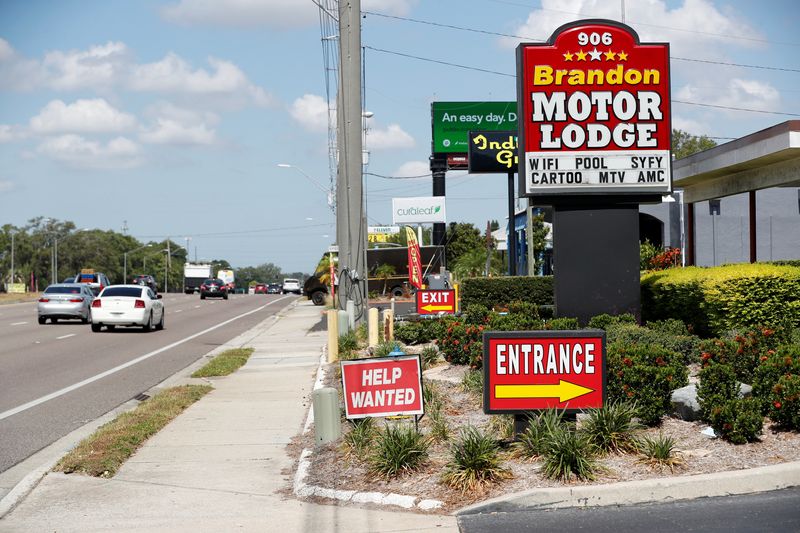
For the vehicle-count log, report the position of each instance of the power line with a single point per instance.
(708, 61)
(428, 175)
(243, 232)
(450, 26)
(467, 67)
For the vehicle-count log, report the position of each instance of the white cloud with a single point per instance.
(6, 52)
(83, 116)
(736, 92)
(390, 138)
(690, 125)
(78, 152)
(168, 131)
(6, 186)
(398, 8)
(10, 133)
(98, 67)
(413, 168)
(311, 111)
(277, 14)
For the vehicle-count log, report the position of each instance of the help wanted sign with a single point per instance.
(384, 386)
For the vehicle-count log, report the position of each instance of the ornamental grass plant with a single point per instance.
(568, 455)
(612, 428)
(475, 461)
(398, 449)
(660, 452)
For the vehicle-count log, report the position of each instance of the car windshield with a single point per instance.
(62, 290)
(132, 292)
(211, 281)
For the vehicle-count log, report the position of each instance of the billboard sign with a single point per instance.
(452, 121)
(436, 302)
(386, 386)
(594, 104)
(493, 152)
(533, 370)
(420, 210)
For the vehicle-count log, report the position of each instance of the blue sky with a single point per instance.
(172, 116)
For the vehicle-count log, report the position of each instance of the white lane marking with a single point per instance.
(197, 307)
(66, 336)
(87, 381)
(18, 323)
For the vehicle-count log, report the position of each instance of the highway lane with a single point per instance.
(39, 360)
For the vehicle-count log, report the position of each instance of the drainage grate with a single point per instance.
(141, 397)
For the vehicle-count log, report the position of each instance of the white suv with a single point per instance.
(291, 285)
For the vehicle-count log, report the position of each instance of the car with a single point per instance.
(261, 288)
(96, 280)
(213, 288)
(146, 280)
(129, 306)
(274, 288)
(291, 285)
(70, 301)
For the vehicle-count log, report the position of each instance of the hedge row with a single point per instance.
(501, 291)
(715, 300)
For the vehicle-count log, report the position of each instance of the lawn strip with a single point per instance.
(225, 363)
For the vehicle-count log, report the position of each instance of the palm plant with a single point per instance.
(384, 272)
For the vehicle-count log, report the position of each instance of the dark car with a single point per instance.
(274, 288)
(214, 288)
(146, 280)
(315, 290)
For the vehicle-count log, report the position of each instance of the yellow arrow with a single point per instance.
(430, 308)
(563, 391)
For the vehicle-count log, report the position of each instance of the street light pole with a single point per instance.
(12, 256)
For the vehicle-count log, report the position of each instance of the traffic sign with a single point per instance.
(436, 302)
(385, 386)
(534, 370)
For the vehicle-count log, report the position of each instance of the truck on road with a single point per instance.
(229, 279)
(193, 276)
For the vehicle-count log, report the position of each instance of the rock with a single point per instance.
(685, 404)
(745, 390)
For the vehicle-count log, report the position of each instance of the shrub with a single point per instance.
(476, 314)
(779, 399)
(501, 426)
(418, 332)
(532, 442)
(429, 356)
(398, 449)
(645, 374)
(612, 428)
(783, 404)
(647, 251)
(359, 439)
(568, 454)
(515, 322)
(660, 451)
(667, 258)
(743, 353)
(501, 291)
(670, 326)
(563, 323)
(604, 320)
(462, 344)
(738, 420)
(714, 300)
(718, 385)
(348, 342)
(686, 345)
(472, 382)
(384, 348)
(474, 462)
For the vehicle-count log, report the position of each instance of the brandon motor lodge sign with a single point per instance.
(594, 112)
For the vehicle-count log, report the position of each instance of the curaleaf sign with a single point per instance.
(594, 112)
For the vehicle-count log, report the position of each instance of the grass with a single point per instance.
(661, 452)
(475, 462)
(569, 453)
(430, 356)
(397, 450)
(358, 441)
(434, 401)
(348, 343)
(472, 382)
(12, 298)
(532, 443)
(612, 427)
(225, 363)
(102, 453)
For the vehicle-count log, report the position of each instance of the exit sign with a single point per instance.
(436, 302)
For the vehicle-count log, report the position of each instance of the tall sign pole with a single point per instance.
(351, 231)
(594, 142)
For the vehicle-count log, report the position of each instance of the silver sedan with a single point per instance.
(66, 300)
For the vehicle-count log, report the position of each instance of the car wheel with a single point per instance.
(96, 328)
(397, 292)
(225, 296)
(202, 296)
(111, 328)
(88, 318)
(318, 297)
(149, 326)
(42, 320)
(160, 324)
(54, 320)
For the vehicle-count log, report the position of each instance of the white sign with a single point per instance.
(418, 210)
(383, 230)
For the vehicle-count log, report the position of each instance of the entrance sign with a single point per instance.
(386, 386)
(532, 370)
(493, 152)
(451, 121)
(419, 210)
(436, 302)
(594, 107)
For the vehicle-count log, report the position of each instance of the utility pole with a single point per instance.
(438, 168)
(12, 256)
(351, 231)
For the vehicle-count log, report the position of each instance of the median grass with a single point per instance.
(225, 363)
(102, 453)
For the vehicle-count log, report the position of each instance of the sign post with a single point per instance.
(594, 142)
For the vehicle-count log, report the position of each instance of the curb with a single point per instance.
(663, 490)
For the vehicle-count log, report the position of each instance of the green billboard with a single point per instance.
(451, 122)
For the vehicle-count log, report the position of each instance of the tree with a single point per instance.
(384, 272)
(462, 237)
(685, 144)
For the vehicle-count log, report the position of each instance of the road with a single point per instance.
(55, 378)
(777, 511)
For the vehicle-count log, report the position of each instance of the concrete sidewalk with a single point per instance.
(222, 465)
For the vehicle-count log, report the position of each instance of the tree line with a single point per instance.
(47, 249)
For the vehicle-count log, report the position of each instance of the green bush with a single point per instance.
(472, 382)
(359, 439)
(612, 428)
(515, 322)
(417, 332)
(462, 344)
(568, 453)
(476, 314)
(718, 385)
(563, 323)
(783, 403)
(645, 374)
(686, 345)
(398, 449)
(474, 461)
(715, 300)
(348, 342)
(501, 291)
(430, 356)
(604, 320)
(384, 348)
(660, 451)
(738, 421)
(775, 385)
(532, 442)
(670, 326)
